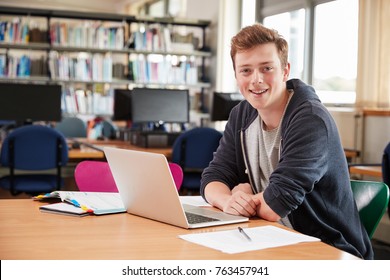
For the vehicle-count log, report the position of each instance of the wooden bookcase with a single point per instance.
(90, 54)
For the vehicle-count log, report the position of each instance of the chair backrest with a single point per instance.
(34, 147)
(96, 176)
(194, 148)
(386, 169)
(177, 174)
(72, 127)
(108, 129)
(372, 199)
(386, 165)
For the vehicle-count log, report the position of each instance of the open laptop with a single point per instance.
(147, 189)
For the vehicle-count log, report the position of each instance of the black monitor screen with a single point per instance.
(160, 105)
(122, 105)
(30, 102)
(223, 103)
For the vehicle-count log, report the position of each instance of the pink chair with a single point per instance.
(177, 174)
(96, 176)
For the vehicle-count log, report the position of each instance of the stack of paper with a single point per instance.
(98, 203)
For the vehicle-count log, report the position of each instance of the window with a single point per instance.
(291, 26)
(323, 40)
(248, 16)
(335, 51)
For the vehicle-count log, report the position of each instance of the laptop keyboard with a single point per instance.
(197, 219)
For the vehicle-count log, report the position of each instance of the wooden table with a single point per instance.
(88, 152)
(374, 171)
(26, 233)
(351, 154)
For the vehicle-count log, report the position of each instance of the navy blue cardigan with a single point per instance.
(311, 181)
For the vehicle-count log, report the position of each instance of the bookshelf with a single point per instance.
(90, 54)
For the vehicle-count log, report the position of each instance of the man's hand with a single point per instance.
(241, 204)
(240, 201)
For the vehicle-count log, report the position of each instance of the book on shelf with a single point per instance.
(97, 203)
(91, 35)
(80, 101)
(162, 69)
(85, 67)
(153, 37)
(14, 31)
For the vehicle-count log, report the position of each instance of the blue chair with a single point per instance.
(193, 150)
(72, 127)
(109, 129)
(29, 149)
(102, 129)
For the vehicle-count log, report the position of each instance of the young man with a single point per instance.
(280, 157)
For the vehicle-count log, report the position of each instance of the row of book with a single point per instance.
(14, 31)
(101, 68)
(80, 101)
(95, 34)
(19, 32)
(143, 69)
(62, 67)
(92, 35)
(154, 38)
(161, 38)
(22, 66)
(96, 67)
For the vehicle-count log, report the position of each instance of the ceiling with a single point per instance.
(109, 6)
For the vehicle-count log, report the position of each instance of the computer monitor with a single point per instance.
(122, 105)
(150, 105)
(223, 103)
(26, 103)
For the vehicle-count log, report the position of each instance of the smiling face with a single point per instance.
(261, 78)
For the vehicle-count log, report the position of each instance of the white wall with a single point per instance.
(376, 136)
(368, 134)
(349, 122)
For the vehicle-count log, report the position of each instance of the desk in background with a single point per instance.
(374, 171)
(94, 149)
(26, 233)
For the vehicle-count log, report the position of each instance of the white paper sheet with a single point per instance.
(195, 200)
(232, 241)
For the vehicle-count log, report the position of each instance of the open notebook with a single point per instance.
(79, 203)
(147, 189)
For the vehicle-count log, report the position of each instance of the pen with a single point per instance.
(244, 233)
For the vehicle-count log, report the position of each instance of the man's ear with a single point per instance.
(286, 72)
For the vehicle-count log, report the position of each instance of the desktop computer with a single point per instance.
(153, 139)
